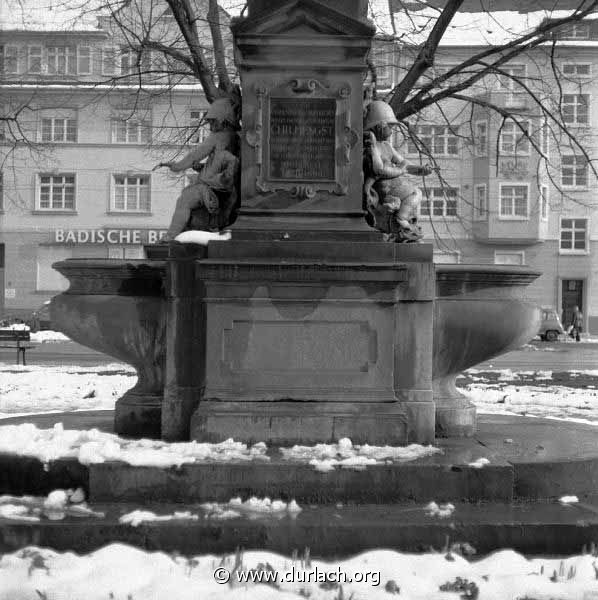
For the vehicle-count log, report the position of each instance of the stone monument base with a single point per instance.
(300, 342)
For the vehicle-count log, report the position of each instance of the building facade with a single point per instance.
(501, 197)
(77, 177)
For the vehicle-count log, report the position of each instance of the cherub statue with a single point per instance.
(208, 202)
(390, 199)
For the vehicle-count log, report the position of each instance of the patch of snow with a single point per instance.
(202, 237)
(94, 446)
(124, 571)
(578, 405)
(136, 517)
(442, 511)
(479, 463)
(15, 327)
(253, 507)
(43, 337)
(568, 499)
(326, 457)
(55, 506)
(56, 500)
(17, 512)
(39, 389)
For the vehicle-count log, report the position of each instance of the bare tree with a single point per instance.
(167, 43)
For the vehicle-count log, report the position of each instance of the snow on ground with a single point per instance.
(119, 571)
(220, 511)
(325, 457)
(533, 393)
(43, 337)
(94, 446)
(46, 389)
(55, 507)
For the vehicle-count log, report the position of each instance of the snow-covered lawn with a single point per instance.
(573, 396)
(120, 572)
(45, 389)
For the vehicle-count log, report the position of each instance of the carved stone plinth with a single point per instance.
(322, 342)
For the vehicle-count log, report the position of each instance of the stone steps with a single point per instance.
(328, 531)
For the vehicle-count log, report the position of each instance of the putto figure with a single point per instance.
(209, 202)
(390, 199)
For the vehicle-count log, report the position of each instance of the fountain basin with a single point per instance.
(119, 308)
(480, 312)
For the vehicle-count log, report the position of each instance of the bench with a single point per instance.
(16, 338)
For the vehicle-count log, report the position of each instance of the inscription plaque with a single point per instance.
(302, 140)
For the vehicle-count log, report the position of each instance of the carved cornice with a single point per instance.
(494, 275)
(113, 277)
(321, 272)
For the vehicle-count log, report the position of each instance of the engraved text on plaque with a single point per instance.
(302, 139)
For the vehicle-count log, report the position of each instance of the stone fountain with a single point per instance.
(306, 327)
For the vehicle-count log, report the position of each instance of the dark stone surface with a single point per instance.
(22, 475)
(329, 532)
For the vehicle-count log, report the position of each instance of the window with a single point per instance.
(48, 279)
(199, 129)
(480, 132)
(437, 139)
(62, 60)
(56, 192)
(575, 31)
(480, 202)
(130, 252)
(132, 62)
(383, 57)
(544, 202)
(574, 235)
(34, 59)
(109, 61)
(512, 139)
(10, 59)
(577, 69)
(439, 202)
(509, 258)
(59, 130)
(130, 131)
(446, 257)
(545, 139)
(513, 201)
(574, 171)
(575, 108)
(131, 193)
(83, 60)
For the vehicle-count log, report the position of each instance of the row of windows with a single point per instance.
(513, 202)
(513, 138)
(122, 131)
(81, 60)
(129, 193)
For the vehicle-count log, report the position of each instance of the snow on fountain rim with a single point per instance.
(93, 446)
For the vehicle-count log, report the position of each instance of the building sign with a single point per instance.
(108, 236)
(302, 139)
(10, 293)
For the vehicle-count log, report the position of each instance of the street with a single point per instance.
(558, 356)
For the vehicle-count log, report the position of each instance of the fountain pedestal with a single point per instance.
(300, 342)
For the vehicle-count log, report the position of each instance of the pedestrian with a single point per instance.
(576, 323)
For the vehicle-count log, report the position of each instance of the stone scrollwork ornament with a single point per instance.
(389, 197)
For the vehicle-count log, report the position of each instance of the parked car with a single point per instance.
(40, 318)
(551, 326)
